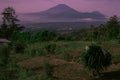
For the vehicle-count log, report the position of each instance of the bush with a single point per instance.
(50, 48)
(19, 47)
(43, 35)
(21, 36)
(95, 58)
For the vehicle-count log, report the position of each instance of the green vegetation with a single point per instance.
(95, 59)
(4, 55)
(104, 32)
(26, 56)
(9, 25)
(68, 51)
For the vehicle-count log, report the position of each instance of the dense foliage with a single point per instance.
(42, 35)
(95, 58)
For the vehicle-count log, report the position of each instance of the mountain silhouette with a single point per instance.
(64, 12)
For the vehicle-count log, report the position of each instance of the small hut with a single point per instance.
(4, 42)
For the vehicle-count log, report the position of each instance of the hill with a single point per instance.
(64, 13)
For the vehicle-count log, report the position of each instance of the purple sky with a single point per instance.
(107, 7)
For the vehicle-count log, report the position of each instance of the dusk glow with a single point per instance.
(107, 7)
(59, 39)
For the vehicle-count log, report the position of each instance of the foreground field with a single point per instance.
(64, 56)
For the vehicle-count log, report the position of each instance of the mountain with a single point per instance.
(62, 12)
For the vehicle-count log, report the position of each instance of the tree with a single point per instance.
(113, 27)
(9, 25)
(44, 35)
(95, 59)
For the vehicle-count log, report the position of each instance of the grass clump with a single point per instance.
(95, 59)
(19, 47)
(50, 48)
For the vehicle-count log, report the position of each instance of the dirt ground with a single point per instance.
(71, 70)
(64, 70)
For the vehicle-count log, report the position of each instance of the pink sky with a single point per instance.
(107, 7)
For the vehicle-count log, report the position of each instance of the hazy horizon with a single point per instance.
(107, 7)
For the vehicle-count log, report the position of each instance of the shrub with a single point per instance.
(50, 48)
(95, 59)
(21, 36)
(19, 47)
(44, 35)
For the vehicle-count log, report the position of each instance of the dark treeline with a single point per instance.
(108, 31)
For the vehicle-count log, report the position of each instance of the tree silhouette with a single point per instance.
(113, 27)
(10, 23)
